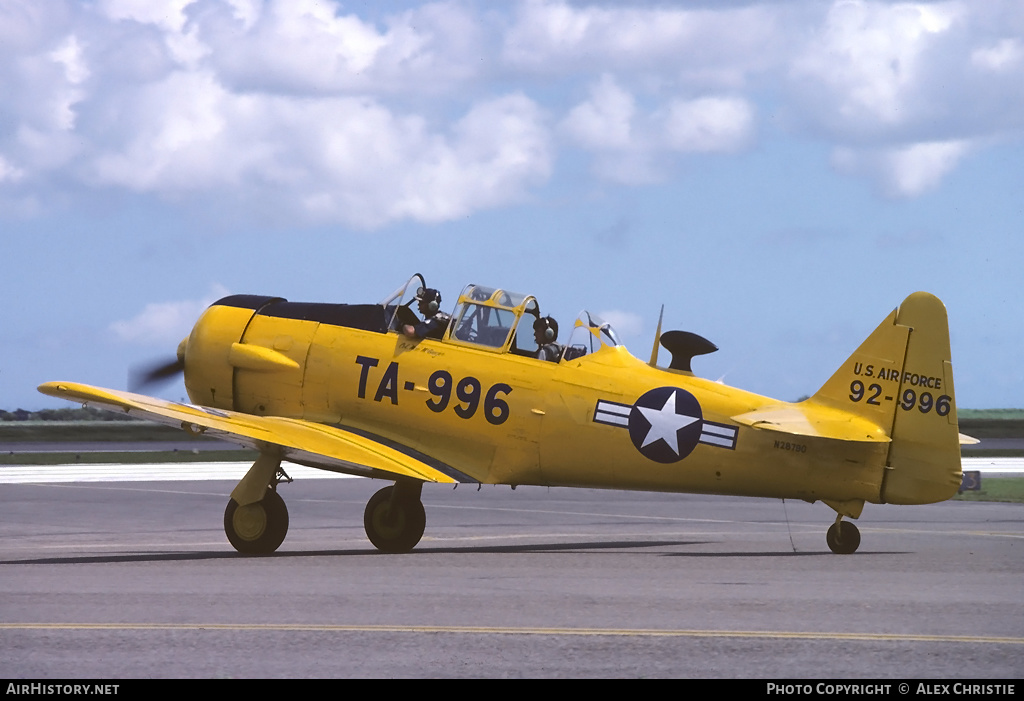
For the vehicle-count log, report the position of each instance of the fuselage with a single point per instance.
(605, 419)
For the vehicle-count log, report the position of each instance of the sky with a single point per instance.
(779, 175)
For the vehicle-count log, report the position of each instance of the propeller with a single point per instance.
(139, 378)
(142, 377)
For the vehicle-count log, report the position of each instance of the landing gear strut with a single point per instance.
(843, 538)
(394, 518)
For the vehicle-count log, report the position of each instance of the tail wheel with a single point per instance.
(394, 525)
(843, 538)
(257, 529)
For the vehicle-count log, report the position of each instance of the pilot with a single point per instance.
(545, 331)
(434, 320)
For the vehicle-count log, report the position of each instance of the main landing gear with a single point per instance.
(394, 518)
(259, 528)
(843, 538)
(256, 519)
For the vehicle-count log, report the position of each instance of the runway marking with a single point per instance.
(503, 630)
(108, 488)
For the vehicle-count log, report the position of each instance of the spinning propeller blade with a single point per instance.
(140, 378)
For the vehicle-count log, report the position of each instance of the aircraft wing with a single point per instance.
(817, 421)
(317, 445)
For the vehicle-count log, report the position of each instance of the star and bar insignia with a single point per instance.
(665, 424)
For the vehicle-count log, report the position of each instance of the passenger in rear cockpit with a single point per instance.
(545, 332)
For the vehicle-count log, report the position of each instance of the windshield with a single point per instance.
(397, 296)
(590, 334)
(402, 298)
(486, 316)
(483, 325)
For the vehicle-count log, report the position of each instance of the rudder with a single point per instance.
(923, 465)
(901, 379)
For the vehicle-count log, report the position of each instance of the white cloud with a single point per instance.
(491, 157)
(332, 159)
(631, 146)
(906, 171)
(605, 120)
(303, 41)
(8, 172)
(305, 46)
(164, 323)
(69, 55)
(312, 111)
(246, 11)
(1004, 55)
(868, 58)
(714, 47)
(917, 168)
(169, 16)
(904, 91)
(176, 136)
(709, 124)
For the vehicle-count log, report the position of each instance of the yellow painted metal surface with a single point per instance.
(473, 406)
(270, 434)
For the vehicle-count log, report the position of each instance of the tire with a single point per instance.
(257, 529)
(394, 527)
(843, 538)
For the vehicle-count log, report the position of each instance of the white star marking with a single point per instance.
(665, 423)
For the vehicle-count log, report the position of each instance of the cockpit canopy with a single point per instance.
(590, 334)
(488, 318)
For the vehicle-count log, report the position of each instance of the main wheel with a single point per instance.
(394, 526)
(843, 538)
(257, 529)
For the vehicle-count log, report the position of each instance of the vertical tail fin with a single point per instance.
(901, 379)
(924, 457)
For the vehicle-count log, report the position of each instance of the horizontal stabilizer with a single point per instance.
(814, 421)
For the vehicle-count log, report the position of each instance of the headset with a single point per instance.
(547, 327)
(429, 300)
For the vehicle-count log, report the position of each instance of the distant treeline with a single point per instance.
(68, 414)
(993, 428)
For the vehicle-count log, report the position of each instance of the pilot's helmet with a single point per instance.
(429, 300)
(546, 329)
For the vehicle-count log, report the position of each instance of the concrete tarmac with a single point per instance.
(137, 580)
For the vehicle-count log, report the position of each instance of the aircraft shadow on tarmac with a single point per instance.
(423, 551)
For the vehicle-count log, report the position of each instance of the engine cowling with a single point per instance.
(211, 350)
(267, 356)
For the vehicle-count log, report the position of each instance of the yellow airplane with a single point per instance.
(344, 388)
